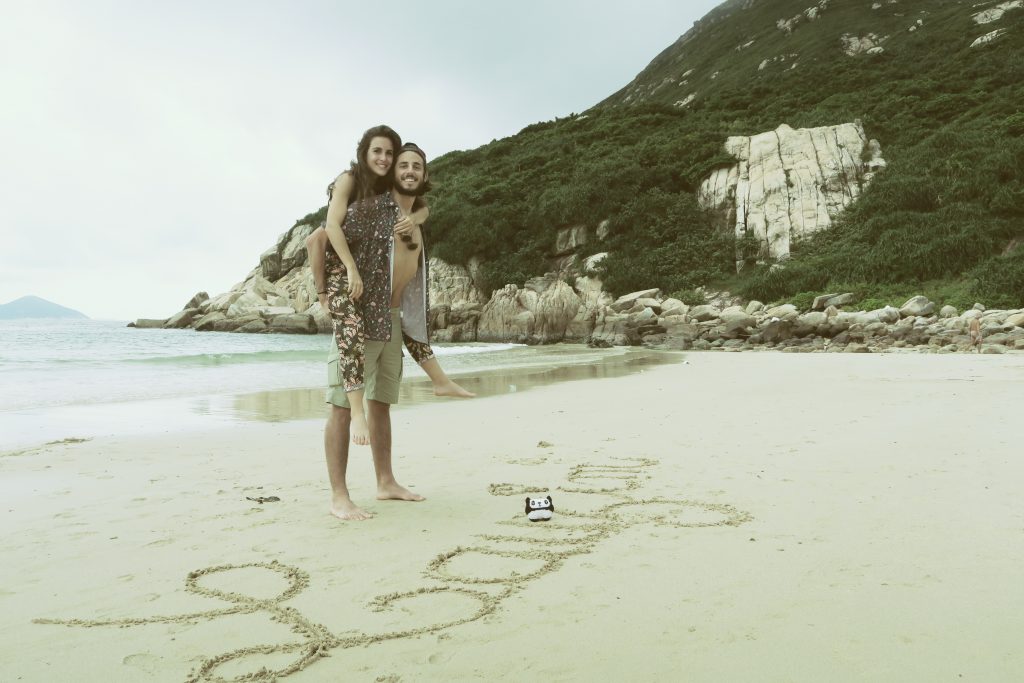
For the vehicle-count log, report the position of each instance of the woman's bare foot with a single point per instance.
(394, 491)
(344, 508)
(360, 430)
(452, 389)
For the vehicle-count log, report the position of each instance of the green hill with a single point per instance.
(946, 217)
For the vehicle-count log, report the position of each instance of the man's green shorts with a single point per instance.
(382, 370)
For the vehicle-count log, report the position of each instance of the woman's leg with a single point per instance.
(424, 355)
(348, 335)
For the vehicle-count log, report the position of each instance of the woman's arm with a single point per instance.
(405, 224)
(343, 186)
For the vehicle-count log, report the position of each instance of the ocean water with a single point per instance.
(46, 363)
(84, 378)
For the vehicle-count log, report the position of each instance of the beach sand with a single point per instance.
(739, 517)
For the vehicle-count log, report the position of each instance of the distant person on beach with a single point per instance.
(393, 305)
(329, 251)
(974, 329)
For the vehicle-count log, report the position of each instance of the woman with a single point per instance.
(331, 258)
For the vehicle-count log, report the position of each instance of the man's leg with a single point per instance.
(336, 442)
(379, 417)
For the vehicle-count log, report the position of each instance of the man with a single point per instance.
(393, 300)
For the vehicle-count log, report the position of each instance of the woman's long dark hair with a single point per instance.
(368, 183)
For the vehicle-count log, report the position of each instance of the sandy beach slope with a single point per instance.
(742, 517)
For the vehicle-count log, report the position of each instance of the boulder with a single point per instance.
(293, 251)
(293, 323)
(754, 307)
(247, 302)
(252, 327)
(735, 319)
(182, 318)
(206, 323)
(271, 311)
(648, 302)
(644, 317)
(704, 313)
(672, 306)
(270, 264)
(556, 308)
(149, 323)
(452, 284)
(917, 305)
(626, 301)
(612, 328)
(197, 300)
(507, 317)
(321, 317)
(825, 300)
(784, 312)
(1015, 319)
(948, 311)
(776, 331)
(221, 302)
(232, 324)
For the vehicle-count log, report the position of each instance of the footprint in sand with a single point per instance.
(144, 661)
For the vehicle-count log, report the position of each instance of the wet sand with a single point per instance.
(770, 517)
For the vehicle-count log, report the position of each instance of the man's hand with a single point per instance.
(355, 285)
(404, 226)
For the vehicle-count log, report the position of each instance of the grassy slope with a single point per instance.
(937, 221)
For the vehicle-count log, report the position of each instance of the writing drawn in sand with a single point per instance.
(548, 544)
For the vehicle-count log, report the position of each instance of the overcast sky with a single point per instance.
(150, 150)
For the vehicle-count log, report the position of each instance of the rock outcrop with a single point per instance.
(278, 295)
(996, 13)
(789, 183)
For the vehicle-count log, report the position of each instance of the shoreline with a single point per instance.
(750, 516)
(32, 428)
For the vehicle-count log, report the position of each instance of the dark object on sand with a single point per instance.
(263, 499)
(539, 509)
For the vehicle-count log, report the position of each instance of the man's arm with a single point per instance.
(316, 250)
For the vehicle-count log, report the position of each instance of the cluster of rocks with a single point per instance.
(278, 295)
(645, 317)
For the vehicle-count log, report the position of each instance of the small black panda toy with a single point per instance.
(539, 509)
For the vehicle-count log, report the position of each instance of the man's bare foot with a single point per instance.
(360, 430)
(453, 390)
(349, 511)
(396, 492)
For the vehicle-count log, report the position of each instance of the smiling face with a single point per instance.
(410, 174)
(380, 155)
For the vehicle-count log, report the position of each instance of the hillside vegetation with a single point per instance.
(944, 218)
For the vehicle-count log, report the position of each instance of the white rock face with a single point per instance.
(689, 98)
(570, 239)
(809, 14)
(988, 37)
(541, 312)
(451, 285)
(789, 183)
(996, 13)
(855, 45)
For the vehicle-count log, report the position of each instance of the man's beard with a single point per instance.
(414, 192)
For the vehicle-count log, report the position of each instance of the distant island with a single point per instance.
(34, 307)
